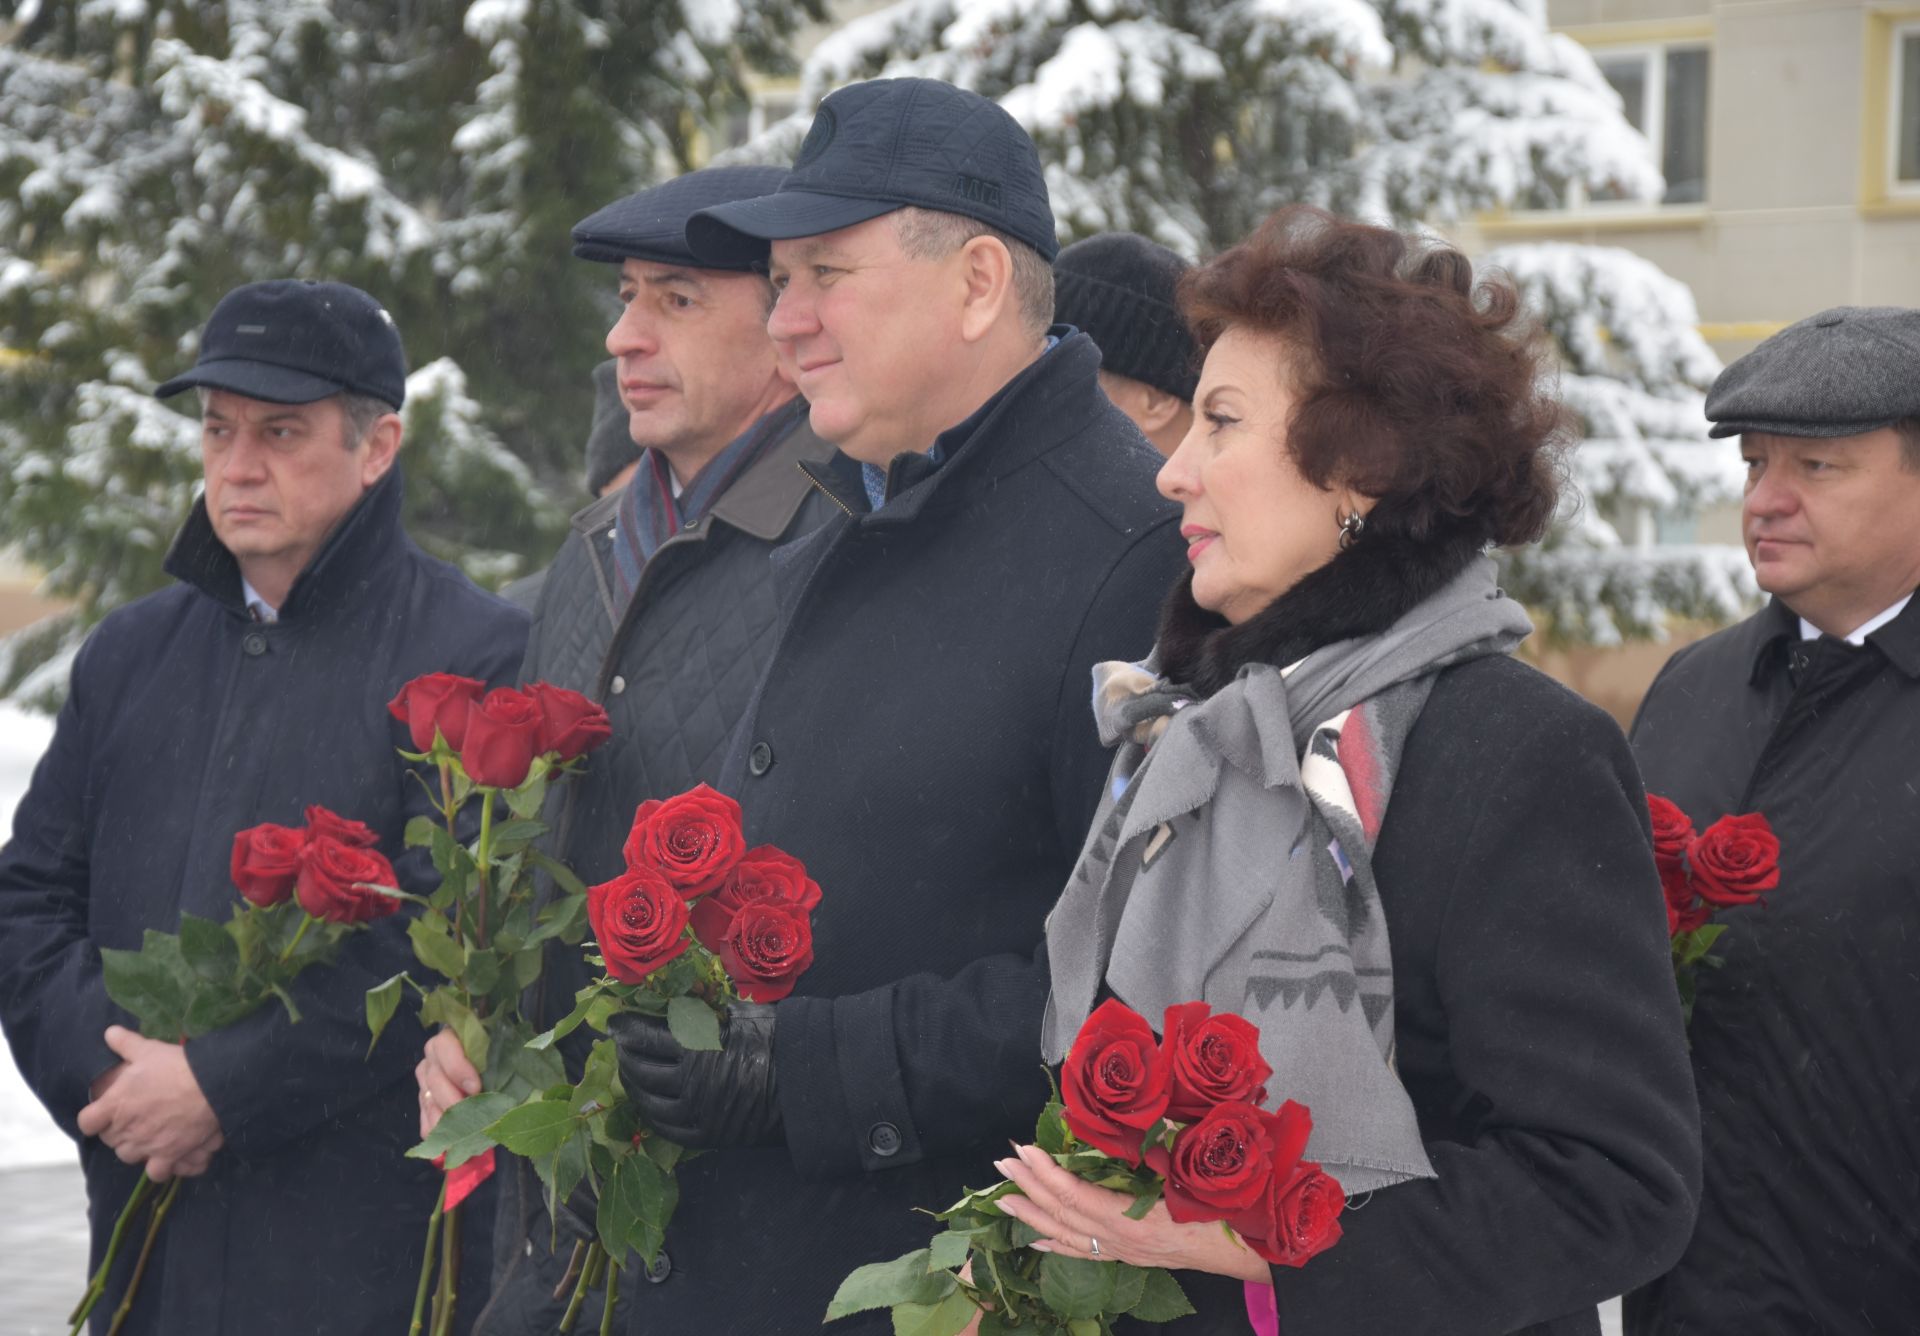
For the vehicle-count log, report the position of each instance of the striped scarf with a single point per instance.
(650, 513)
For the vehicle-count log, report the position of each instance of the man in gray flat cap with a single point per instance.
(1804, 1043)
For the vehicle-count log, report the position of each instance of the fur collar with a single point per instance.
(1362, 591)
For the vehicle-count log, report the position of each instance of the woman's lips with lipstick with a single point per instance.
(1198, 539)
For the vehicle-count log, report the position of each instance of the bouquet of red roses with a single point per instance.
(304, 890)
(1731, 863)
(481, 932)
(1179, 1119)
(695, 922)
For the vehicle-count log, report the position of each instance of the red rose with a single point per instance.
(570, 724)
(1735, 859)
(1219, 1167)
(1115, 1082)
(436, 700)
(763, 873)
(766, 948)
(1672, 832)
(1304, 1215)
(266, 862)
(503, 737)
(1215, 1060)
(1688, 918)
(693, 839)
(331, 825)
(333, 876)
(638, 919)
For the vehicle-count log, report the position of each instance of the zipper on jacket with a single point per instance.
(825, 490)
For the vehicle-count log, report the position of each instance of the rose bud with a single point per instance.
(570, 724)
(693, 839)
(1219, 1166)
(333, 826)
(1115, 1081)
(1304, 1216)
(763, 873)
(334, 878)
(436, 701)
(1215, 1060)
(1688, 918)
(766, 948)
(637, 918)
(1672, 833)
(1735, 859)
(266, 862)
(502, 738)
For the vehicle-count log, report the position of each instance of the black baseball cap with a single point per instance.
(883, 145)
(292, 341)
(651, 224)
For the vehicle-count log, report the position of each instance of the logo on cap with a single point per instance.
(819, 135)
(975, 191)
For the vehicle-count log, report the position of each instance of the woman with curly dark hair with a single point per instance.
(1341, 809)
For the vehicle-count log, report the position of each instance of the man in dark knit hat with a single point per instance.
(923, 736)
(660, 606)
(1118, 289)
(1808, 712)
(253, 686)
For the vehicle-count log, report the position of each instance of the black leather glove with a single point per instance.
(703, 1099)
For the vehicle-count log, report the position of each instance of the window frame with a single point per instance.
(1653, 53)
(1895, 188)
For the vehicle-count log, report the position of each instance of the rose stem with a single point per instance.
(426, 1263)
(573, 1269)
(580, 1288)
(97, 1286)
(450, 1268)
(146, 1250)
(486, 858)
(611, 1298)
(306, 921)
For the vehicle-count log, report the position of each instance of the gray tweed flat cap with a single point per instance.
(1848, 370)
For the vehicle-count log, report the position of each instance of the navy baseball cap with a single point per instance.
(292, 341)
(651, 224)
(888, 144)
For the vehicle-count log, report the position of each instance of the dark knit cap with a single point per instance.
(1118, 287)
(610, 447)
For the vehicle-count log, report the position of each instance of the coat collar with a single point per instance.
(1019, 423)
(1776, 627)
(365, 542)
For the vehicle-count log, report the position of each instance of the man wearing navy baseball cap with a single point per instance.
(253, 687)
(659, 606)
(922, 736)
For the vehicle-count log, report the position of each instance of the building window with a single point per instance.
(1906, 108)
(1663, 90)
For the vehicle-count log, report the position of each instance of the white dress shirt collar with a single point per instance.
(1808, 631)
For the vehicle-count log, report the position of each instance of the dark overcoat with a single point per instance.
(185, 722)
(1804, 1041)
(924, 741)
(675, 665)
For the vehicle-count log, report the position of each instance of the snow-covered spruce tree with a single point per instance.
(155, 153)
(1190, 120)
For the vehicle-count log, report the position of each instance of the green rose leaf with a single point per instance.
(218, 1005)
(635, 1205)
(1076, 1287)
(694, 1024)
(154, 983)
(1129, 1286)
(904, 1280)
(1161, 1298)
(949, 1249)
(539, 1127)
(420, 832)
(443, 1006)
(382, 1001)
(946, 1318)
(461, 1132)
(207, 948)
(434, 945)
(1050, 1133)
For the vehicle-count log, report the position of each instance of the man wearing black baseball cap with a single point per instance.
(1808, 712)
(922, 738)
(255, 686)
(659, 606)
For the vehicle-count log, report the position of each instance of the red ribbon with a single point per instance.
(463, 1178)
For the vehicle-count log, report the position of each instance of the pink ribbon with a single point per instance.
(1263, 1310)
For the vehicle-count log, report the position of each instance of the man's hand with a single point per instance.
(150, 1109)
(445, 1078)
(703, 1100)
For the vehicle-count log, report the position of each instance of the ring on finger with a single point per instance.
(1093, 1246)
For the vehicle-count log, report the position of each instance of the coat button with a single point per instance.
(618, 685)
(759, 760)
(659, 1268)
(255, 644)
(883, 1139)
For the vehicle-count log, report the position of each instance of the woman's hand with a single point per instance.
(1073, 1214)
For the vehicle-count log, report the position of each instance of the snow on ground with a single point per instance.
(27, 1135)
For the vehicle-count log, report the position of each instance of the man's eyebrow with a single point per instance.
(686, 276)
(813, 248)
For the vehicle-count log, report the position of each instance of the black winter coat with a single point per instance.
(1804, 1043)
(186, 722)
(1537, 1028)
(675, 668)
(924, 741)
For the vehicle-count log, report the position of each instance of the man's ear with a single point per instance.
(382, 446)
(986, 267)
